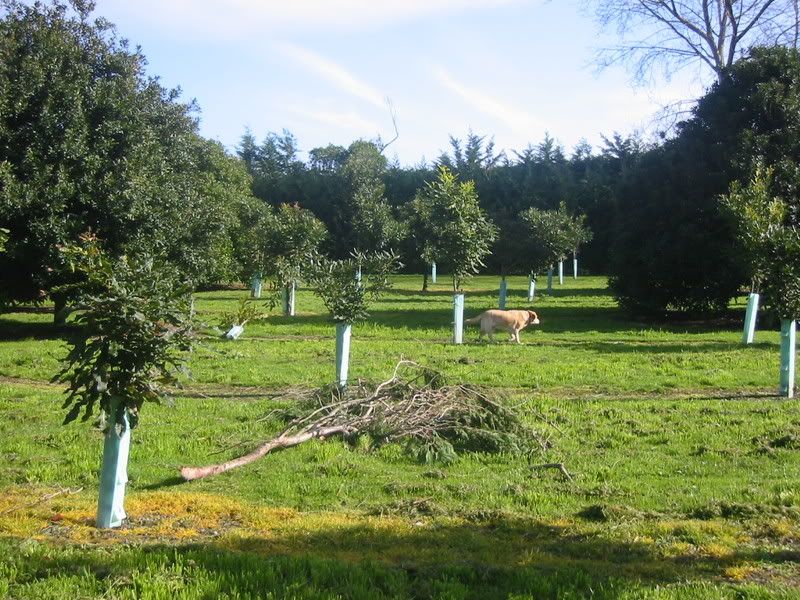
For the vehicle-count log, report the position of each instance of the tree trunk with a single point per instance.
(60, 311)
(282, 441)
(425, 281)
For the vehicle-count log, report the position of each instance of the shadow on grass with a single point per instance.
(165, 483)
(15, 331)
(554, 319)
(500, 558)
(633, 347)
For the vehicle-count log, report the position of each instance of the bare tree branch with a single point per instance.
(675, 33)
(393, 115)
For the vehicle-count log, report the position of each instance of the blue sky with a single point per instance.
(512, 69)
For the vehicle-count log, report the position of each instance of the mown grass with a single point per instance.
(685, 466)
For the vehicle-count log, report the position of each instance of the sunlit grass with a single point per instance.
(684, 465)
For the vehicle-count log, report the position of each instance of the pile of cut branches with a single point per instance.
(415, 406)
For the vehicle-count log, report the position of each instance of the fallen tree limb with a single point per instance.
(418, 409)
(282, 441)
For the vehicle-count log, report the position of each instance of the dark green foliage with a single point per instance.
(368, 222)
(770, 240)
(459, 233)
(134, 330)
(346, 297)
(87, 140)
(548, 236)
(674, 249)
(292, 236)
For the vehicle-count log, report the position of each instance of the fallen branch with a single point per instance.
(63, 492)
(417, 409)
(559, 466)
(282, 441)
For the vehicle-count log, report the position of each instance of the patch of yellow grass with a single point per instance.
(717, 551)
(739, 572)
(779, 529)
(678, 549)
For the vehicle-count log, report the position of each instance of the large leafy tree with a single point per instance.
(88, 140)
(674, 249)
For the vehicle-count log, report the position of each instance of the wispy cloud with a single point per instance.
(215, 19)
(334, 73)
(350, 121)
(487, 104)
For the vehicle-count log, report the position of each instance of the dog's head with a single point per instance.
(533, 318)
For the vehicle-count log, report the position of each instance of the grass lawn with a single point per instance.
(685, 465)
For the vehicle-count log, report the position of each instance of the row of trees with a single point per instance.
(88, 141)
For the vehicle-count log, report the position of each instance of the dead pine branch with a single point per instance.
(414, 406)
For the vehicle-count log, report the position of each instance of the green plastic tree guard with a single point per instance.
(788, 350)
(255, 286)
(561, 272)
(114, 473)
(458, 318)
(574, 267)
(503, 293)
(550, 280)
(343, 331)
(433, 272)
(531, 289)
(749, 333)
(288, 296)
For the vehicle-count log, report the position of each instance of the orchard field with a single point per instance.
(682, 464)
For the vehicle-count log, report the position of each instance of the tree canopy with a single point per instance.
(461, 233)
(88, 140)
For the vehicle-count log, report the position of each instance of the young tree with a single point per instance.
(368, 220)
(550, 236)
(673, 34)
(461, 234)
(578, 234)
(347, 298)
(292, 239)
(134, 331)
(770, 233)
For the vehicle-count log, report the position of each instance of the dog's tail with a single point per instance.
(473, 320)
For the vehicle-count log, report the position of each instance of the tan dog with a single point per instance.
(512, 321)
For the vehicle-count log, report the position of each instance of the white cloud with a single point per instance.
(349, 121)
(333, 72)
(231, 19)
(510, 115)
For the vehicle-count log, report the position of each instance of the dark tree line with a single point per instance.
(541, 176)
